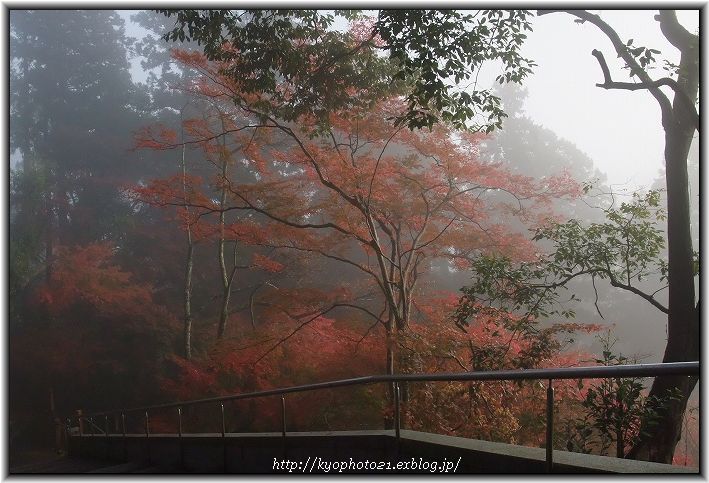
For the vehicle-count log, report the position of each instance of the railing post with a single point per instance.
(550, 427)
(397, 412)
(223, 438)
(125, 448)
(67, 433)
(179, 435)
(223, 421)
(147, 435)
(283, 414)
(80, 420)
(179, 422)
(105, 430)
(58, 435)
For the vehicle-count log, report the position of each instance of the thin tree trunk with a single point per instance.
(189, 261)
(228, 282)
(227, 276)
(188, 297)
(619, 440)
(226, 279)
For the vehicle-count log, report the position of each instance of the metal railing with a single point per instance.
(593, 372)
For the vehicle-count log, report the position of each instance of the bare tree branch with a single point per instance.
(311, 319)
(622, 50)
(608, 83)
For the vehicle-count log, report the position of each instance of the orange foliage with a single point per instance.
(266, 263)
(93, 332)
(88, 276)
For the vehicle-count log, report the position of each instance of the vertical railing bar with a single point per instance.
(105, 429)
(223, 421)
(179, 434)
(147, 435)
(223, 438)
(397, 412)
(80, 420)
(67, 430)
(283, 414)
(550, 428)
(125, 443)
(179, 422)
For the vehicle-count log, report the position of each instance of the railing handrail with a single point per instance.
(588, 372)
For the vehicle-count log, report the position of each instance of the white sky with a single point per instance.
(619, 130)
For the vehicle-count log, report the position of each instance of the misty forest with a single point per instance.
(214, 202)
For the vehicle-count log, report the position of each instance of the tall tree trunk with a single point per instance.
(227, 276)
(189, 260)
(226, 279)
(226, 293)
(659, 441)
(227, 283)
(188, 297)
(683, 318)
(658, 438)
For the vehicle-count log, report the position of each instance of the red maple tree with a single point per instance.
(381, 205)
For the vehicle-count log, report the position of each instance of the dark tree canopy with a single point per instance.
(70, 97)
(401, 48)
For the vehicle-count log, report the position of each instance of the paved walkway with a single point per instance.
(69, 465)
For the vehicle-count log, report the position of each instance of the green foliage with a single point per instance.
(615, 410)
(294, 58)
(643, 56)
(435, 47)
(503, 286)
(500, 290)
(624, 249)
(430, 52)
